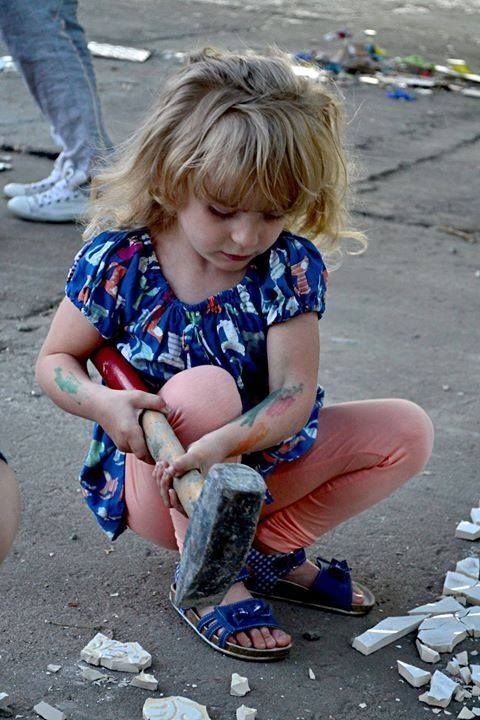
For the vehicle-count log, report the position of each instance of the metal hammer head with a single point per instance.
(219, 534)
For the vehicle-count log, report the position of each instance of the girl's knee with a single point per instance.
(416, 431)
(9, 508)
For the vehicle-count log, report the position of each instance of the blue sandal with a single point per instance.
(331, 589)
(217, 626)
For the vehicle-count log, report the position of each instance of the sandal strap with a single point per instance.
(236, 617)
(334, 582)
(268, 569)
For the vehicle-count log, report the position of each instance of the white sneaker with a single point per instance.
(15, 189)
(65, 201)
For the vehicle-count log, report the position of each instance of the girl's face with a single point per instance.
(227, 238)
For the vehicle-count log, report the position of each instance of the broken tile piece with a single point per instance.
(476, 691)
(48, 712)
(475, 516)
(462, 658)
(4, 700)
(54, 668)
(91, 675)
(453, 667)
(246, 713)
(465, 714)
(427, 654)
(415, 676)
(174, 707)
(469, 567)
(145, 681)
(115, 655)
(442, 632)
(457, 583)
(385, 632)
(476, 711)
(467, 530)
(466, 675)
(445, 605)
(239, 685)
(475, 670)
(459, 694)
(471, 619)
(311, 674)
(440, 692)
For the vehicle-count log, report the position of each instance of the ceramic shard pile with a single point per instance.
(440, 627)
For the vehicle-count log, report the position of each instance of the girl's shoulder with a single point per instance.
(290, 249)
(112, 246)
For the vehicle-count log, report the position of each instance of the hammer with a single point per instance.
(223, 508)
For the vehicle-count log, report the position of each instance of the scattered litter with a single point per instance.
(246, 713)
(442, 632)
(385, 632)
(311, 674)
(440, 692)
(174, 707)
(467, 530)
(53, 668)
(115, 655)
(145, 681)
(426, 653)
(239, 685)
(470, 567)
(48, 712)
(415, 676)
(118, 52)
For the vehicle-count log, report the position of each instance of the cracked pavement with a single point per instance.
(402, 320)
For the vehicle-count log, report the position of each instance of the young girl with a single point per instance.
(193, 272)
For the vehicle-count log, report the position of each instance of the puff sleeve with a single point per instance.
(99, 279)
(295, 281)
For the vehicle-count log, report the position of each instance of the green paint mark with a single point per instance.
(251, 415)
(69, 384)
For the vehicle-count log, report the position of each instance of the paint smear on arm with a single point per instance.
(68, 383)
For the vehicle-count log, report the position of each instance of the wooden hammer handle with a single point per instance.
(161, 441)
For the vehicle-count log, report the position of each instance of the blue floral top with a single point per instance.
(118, 285)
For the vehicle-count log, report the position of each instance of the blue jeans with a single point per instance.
(48, 45)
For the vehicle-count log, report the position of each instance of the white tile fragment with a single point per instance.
(115, 655)
(475, 516)
(92, 675)
(174, 707)
(48, 712)
(311, 674)
(457, 583)
(145, 681)
(466, 675)
(385, 632)
(469, 567)
(476, 711)
(415, 676)
(436, 711)
(246, 713)
(467, 530)
(239, 685)
(471, 619)
(427, 654)
(362, 706)
(453, 667)
(476, 691)
(442, 632)
(53, 668)
(445, 605)
(475, 670)
(459, 694)
(465, 714)
(462, 658)
(472, 594)
(4, 700)
(440, 692)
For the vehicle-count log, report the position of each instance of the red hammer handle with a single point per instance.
(162, 442)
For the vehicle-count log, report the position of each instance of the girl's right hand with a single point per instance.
(119, 414)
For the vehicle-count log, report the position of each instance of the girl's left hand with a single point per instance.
(201, 455)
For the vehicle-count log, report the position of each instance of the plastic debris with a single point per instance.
(118, 52)
(416, 677)
(440, 692)
(239, 685)
(145, 681)
(246, 713)
(115, 655)
(174, 707)
(48, 712)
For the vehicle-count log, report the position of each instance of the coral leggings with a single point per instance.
(364, 451)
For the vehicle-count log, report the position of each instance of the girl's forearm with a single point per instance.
(283, 413)
(65, 380)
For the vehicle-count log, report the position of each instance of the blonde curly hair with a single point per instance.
(223, 125)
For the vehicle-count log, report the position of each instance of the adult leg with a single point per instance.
(37, 35)
(9, 508)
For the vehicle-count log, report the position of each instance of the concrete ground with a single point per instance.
(402, 320)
